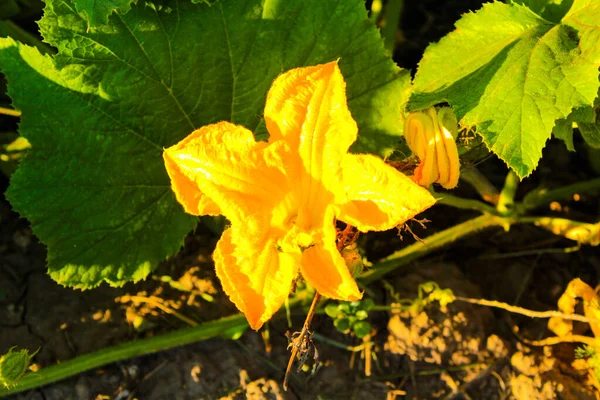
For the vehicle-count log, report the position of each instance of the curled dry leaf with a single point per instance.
(580, 232)
(577, 289)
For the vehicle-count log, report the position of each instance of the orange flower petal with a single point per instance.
(325, 269)
(428, 136)
(187, 192)
(257, 282)
(378, 197)
(446, 146)
(307, 108)
(419, 131)
(222, 162)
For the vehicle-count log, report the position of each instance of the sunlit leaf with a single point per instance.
(513, 74)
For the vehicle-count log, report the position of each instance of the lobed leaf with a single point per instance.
(99, 113)
(513, 74)
(97, 11)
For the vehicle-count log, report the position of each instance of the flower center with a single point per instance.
(296, 237)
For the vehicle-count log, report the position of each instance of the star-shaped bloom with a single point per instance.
(431, 135)
(283, 196)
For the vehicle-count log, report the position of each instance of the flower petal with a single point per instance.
(307, 108)
(420, 131)
(187, 192)
(257, 281)
(446, 148)
(222, 162)
(378, 197)
(430, 134)
(325, 269)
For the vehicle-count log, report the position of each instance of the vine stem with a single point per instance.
(506, 214)
(410, 253)
(10, 111)
(523, 311)
(542, 196)
(297, 343)
(238, 322)
(344, 238)
(127, 350)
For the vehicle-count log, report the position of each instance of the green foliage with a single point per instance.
(350, 316)
(12, 149)
(19, 8)
(591, 133)
(13, 366)
(552, 10)
(593, 359)
(97, 11)
(513, 74)
(99, 113)
(428, 292)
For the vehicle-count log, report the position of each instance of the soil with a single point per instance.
(459, 351)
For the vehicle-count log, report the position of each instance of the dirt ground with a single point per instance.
(462, 351)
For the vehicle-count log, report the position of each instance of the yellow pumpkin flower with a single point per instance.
(283, 197)
(431, 135)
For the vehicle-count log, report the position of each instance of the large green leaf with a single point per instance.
(513, 74)
(100, 112)
(552, 10)
(97, 11)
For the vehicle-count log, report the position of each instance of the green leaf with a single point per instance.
(591, 134)
(344, 308)
(19, 8)
(99, 113)
(97, 11)
(361, 314)
(361, 329)
(342, 324)
(552, 10)
(512, 74)
(332, 310)
(563, 130)
(9, 8)
(367, 304)
(585, 118)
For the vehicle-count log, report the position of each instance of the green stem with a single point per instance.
(540, 197)
(376, 7)
(10, 111)
(466, 204)
(410, 253)
(20, 34)
(124, 351)
(481, 184)
(392, 11)
(506, 200)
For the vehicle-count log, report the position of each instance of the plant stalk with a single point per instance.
(410, 253)
(465, 204)
(392, 11)
(124, 351)
(540, 197)
(297, 343)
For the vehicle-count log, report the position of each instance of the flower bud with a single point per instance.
(431, 135)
